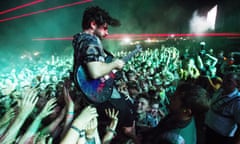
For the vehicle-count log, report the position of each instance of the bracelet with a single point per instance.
(111, 130)
(81, 133)
(71, 113)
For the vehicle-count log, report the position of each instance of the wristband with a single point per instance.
(111, 130)
(81, 133)
(71, 113)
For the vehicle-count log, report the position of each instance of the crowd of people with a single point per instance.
(39, 105)
(166, 96)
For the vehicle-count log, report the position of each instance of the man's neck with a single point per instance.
(89, 31)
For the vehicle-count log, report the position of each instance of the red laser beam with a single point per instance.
(45, 10)
(175, 35)
(144, 36)
(46, 39)
(21, 6)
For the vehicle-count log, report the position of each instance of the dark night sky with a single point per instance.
(137, 16)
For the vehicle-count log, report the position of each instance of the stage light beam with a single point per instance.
(144, 36)
(45, 10)
(21, 6)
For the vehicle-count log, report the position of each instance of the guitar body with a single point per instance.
(95, 90)
(98, 90)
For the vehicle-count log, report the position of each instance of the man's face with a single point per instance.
(155, 109)
(143, 105)
(102, 31)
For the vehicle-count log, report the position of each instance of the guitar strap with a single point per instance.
(109, 56)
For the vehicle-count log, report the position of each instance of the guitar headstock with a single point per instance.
(138, 48)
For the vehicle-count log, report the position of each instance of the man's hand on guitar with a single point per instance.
(119, 64)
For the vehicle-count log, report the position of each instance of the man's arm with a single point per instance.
(98, 69)
(215, 60)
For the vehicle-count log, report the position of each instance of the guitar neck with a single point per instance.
(130, 55)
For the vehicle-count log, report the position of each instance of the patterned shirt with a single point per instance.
(87, 48)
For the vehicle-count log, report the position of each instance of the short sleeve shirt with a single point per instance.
(87, 48)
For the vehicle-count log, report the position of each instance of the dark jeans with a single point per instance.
(213, 137)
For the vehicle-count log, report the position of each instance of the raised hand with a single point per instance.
(27, 104)
(112, 113)
(110, 130)
(85, 116)
(48, 108)
(81, 123)
(7, 117)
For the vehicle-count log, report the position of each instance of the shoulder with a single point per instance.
(173, 138)
(85, 38)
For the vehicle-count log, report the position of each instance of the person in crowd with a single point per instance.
(143, 84)
(208, 78)
(133, 89)
(222, 63)
(90, 54)
(223, 119)
(179, 126)
(156, 112)
(131, 75)
(144, 118)
(192, 70)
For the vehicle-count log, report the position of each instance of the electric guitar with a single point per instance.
(99, 90)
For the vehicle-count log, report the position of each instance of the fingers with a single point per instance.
(49, 107)
(112, 113)
(92, 123)
(89, 112)
(30, 97)
(91, 109)
(116, 114)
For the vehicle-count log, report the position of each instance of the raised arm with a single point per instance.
(32, 130)
(215, 60)
(70, 109)
(77, 132)
(6, 120)
(26, 106)
(54, 124)
(111, 129)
